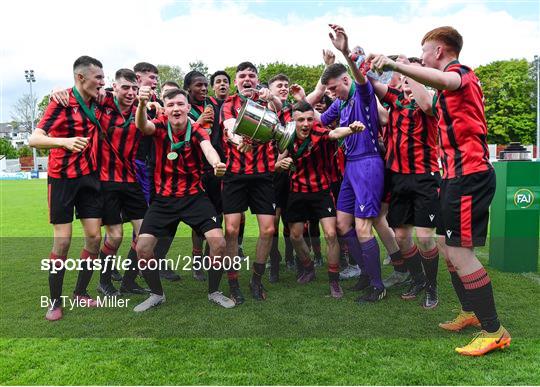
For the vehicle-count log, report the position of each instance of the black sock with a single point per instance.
(480, 293)
(258, 272)
(413, 262)
(152, 279)
(56, 280)
(85, 275)
(430, 263)
(333, 272)
(241, 233)
(397, 261)
(107, 265)
(128, 279)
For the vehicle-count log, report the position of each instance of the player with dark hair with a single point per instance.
(310, 196)
(221, 83)
(359, 201)
(71, 134)
(248, 182)
(179, 148)
(468, 183)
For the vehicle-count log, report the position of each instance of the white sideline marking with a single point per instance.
(532, 276)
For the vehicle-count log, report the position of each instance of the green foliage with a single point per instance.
(305, 76)
(24, 151)
(42, 105)
(169, 73)
(199, 66)
(7, 149)
(509, 91)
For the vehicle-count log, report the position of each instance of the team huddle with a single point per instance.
(364, 157)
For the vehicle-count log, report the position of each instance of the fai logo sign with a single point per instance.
(524, 198)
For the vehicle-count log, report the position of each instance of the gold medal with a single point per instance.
(172, 155)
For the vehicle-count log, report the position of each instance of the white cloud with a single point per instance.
(48, 35)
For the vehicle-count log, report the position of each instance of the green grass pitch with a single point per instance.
(298, 336)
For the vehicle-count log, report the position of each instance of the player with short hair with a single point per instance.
(71, 134)
(248, 182)
(359, 201)
(310, 196)
(179, 148)
(221, 83)
(468, 181)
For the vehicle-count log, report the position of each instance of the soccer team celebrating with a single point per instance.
(365, 156)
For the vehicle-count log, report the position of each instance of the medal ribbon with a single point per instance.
(128, 121)
(180, 144)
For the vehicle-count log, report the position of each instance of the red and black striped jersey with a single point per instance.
(335, 165)
(311, 172)
(410, 136)
(285, 114)
(214, 132)
(70, 121)
(118, 143)
(182, 176)
(462, 126)
(261, 159)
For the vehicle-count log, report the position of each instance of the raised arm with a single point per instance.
(341, 42)
(437, 79)
(146, 127)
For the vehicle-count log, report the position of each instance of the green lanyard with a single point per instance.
(89, 112)
(352, 90)
(180, 144)
(410, 106)
(301, 148)
(128, 121)
(194, 111)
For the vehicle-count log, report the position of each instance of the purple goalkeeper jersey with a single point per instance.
(361, 106)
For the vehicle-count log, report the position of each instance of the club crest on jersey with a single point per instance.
(449, 233)
(431, 217)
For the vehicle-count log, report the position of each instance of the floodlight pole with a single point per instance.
(30, 78)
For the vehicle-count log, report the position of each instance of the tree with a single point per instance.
(305, 76)
(170, 73)
(200, 67)
(24, 110)
(7, 149)
(509, 92)
(42, 105)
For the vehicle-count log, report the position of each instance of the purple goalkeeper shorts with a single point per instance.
(362, 187)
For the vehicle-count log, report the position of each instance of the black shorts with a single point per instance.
(82, 193)
(465, 205)
(414, 200)
(253, 191)
(304, 206)
(335, 187)
(212, 186)
(122, 202)
(165, 213)
(281, 185)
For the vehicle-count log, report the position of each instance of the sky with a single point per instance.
(47, 36)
